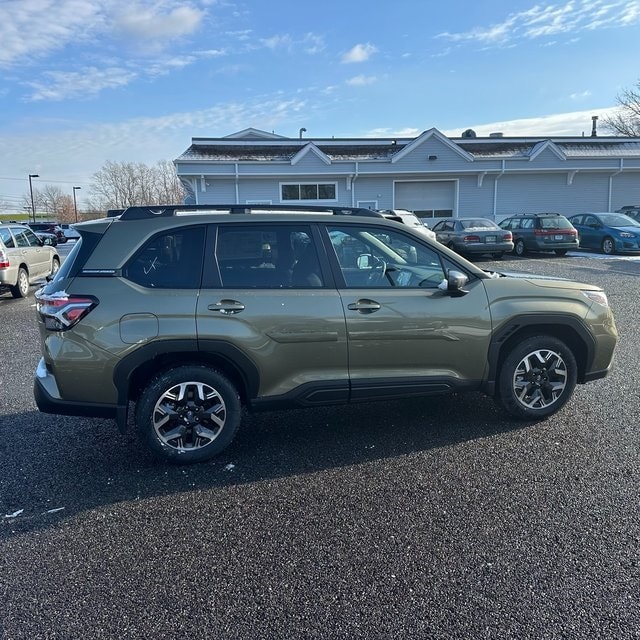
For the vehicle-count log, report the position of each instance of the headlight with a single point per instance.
(597, 296)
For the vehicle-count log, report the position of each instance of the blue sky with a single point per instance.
(87, 81)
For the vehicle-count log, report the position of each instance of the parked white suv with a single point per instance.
(24, 258)
(411, 220)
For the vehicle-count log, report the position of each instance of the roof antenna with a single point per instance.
(302, 130)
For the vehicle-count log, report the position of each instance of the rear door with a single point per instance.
(36, 257)
(268, 302)
(405, 334)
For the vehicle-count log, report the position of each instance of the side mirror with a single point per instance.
(456, 280)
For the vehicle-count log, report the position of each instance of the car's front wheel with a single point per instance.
(21, 288)
(608, 246)
(55, 266)
(537, 377)
(188, 414)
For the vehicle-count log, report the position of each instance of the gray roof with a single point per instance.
(284, 149)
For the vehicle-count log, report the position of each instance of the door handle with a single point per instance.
(227, 307)
(364, 305)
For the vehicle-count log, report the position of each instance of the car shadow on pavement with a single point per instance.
(63, 465)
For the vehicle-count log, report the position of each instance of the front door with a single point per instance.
(404, 331)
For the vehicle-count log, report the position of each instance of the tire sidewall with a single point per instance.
(519, 248)
(506, 392)
(21, 290)
(608, 242)
(167, 379)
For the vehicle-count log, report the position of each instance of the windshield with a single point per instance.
(618, 220)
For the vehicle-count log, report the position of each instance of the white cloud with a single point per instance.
(574, 123)
(581, 95)
(277, 42)
(36, 27)
(359, 53)
(551, 20)
(361, 80)
(147, 22)
(87, 82)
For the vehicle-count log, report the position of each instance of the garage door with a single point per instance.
(428, 199)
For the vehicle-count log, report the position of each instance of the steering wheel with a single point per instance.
(378, 271)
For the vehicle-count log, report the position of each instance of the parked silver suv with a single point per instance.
(24, 258)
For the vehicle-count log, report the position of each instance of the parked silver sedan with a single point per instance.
(474, 236)
(24, 258)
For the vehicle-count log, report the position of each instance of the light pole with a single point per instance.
(75, 206)
(33, 206)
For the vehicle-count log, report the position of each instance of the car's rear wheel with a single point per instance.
(498, 255)
(537, 377)
(188, 414)
(519, 248)
(608, 246)
(21, 288)
(561, 252)
(55, 266)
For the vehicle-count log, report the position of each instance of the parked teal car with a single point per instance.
(607, 232)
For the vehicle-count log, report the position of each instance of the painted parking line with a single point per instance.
(602, 256)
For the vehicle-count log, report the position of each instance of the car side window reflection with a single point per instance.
(170, 260)
(376, 257)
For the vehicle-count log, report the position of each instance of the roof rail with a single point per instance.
(168, 210)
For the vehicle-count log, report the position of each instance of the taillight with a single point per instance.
(471, 239)
(4, 259)
(61, 311)
(507, 237)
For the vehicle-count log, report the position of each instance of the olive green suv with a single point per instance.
(190, 314)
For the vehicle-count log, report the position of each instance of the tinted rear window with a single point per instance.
(556, 222)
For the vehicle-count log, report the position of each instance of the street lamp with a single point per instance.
(33, 206)
(75, 206)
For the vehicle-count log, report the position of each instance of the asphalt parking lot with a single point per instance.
(432, 518)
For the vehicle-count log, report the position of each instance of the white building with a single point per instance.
(433, 175)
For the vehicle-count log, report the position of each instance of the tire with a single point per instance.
(608, 246)
(174, 414)
(21, 289)
(519, 248)
(498, 255)
(561, 252)
(55, 267)
(537, 377)
(451, 246)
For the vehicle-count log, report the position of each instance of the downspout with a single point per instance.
(495, 190)
(237, 185)
(611, 177)
(353, 188)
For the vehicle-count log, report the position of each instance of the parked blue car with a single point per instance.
(607, 232)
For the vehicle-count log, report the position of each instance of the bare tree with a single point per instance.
(123, 184)
(626, 120)
(51, 202)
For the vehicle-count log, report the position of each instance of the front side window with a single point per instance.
(170, 260)
(306, 191)
(22, 238)
(257, 256)
(376, 257)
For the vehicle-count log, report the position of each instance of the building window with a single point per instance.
(308, 191)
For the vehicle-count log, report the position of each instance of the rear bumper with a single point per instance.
(48, 400)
